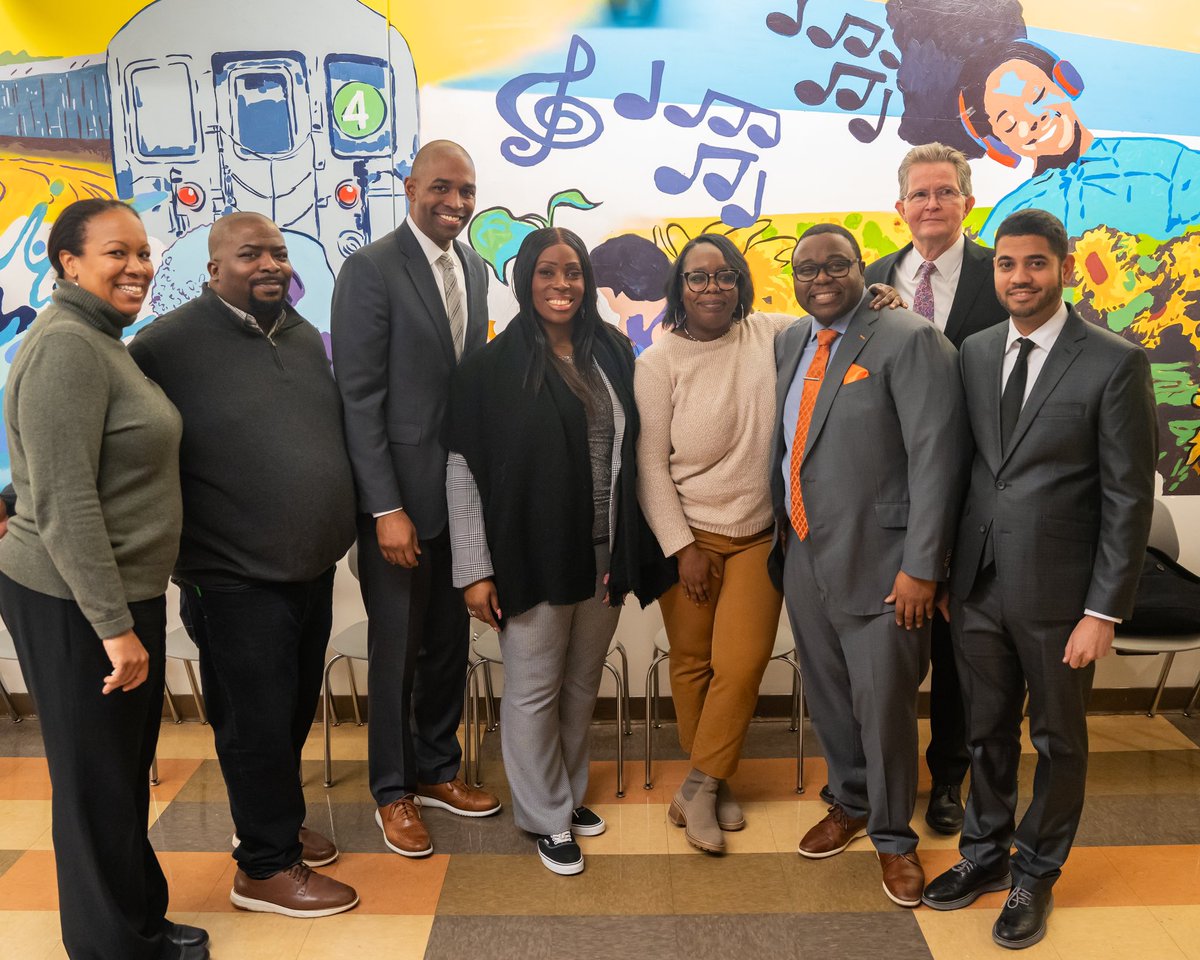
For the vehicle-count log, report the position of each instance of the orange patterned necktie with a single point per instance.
(808, 400)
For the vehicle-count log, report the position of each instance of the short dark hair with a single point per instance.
(631, 265)
(1036, 223)
(70, 229)
(836, 228)
(734, 258)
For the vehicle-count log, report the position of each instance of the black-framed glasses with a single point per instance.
(920, 198)
(834, 269)
(697, 280)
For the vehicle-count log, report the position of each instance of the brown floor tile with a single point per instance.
(749, 883)
(173, 776)
(24, 778)
(390, 884)
(30, 883)
(851, 882)
(8, 858)
(195, 879)
(1160, 876)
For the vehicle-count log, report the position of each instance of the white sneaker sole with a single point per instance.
(311, 864)
(443, 805)
(266, 906)
(404, 853)
(592, 831)
(562, 869)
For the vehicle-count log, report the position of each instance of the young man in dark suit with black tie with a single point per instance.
(1046, 562)
(948, 280)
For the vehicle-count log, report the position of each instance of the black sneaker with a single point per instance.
(560, 853)
(1022, 922)
(963, 884)
(587, 823)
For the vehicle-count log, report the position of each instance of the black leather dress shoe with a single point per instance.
(945, 812)
(184, 935)
(963, 884)
(1022, 922)
(826, 796)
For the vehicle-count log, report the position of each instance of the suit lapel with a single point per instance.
(1066, 348)
(975, 272)
(421, 274)
(787, 372)
(476, 333)
(993, 367)
(857, 334)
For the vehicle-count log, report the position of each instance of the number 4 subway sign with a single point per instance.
(359, 111)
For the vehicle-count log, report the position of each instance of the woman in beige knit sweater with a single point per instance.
(706, 396)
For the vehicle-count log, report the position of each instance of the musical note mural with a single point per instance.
(636, 123)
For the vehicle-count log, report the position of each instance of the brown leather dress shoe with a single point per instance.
(295, 892)
(318, 850)
(403, 831)
(833, 835)
(455, 796)
(903, 878)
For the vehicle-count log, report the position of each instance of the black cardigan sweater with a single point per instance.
(529, 456)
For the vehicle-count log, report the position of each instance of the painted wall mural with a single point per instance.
(636, 123)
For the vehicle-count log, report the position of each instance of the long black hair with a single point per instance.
(587, 325)
(734, 259)
(70, 229)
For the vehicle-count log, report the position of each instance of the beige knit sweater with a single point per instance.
(707, 414)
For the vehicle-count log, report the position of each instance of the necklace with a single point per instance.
(688, 333)
(565, 358)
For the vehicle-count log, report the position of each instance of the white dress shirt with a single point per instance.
(1044, 338)
(943, 280)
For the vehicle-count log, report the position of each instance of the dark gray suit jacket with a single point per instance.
(885, 459)
(975, 306)
(393, 358)
(1069, 505)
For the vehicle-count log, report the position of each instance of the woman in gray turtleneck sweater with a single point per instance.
(83, 576)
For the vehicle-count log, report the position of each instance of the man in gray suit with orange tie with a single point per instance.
(870, 454)
(1047, 561)
(406, 309)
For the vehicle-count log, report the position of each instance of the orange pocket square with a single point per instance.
(855, 373)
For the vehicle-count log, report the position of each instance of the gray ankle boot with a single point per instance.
(698, 813)
(729, 811)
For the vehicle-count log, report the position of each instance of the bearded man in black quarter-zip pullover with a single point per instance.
(268, 508)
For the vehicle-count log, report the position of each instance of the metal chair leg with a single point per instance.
(1191, 704)
(798, 684)
(8, 704)
(619, 650)
(651, 713)
(1162, 683)
(327, 712)
(797, 719)
(616, 675)
(358, 720)
(472, 736)
(489, 701)
(154, 771)
(171, 705)
(196, 698)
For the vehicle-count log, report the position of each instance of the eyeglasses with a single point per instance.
(918, 198)
(834, 269)
(697, 280)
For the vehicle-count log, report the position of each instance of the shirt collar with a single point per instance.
(1045, 335)
(431, 250)
(949, 264)
(840, 324)
(248, 319)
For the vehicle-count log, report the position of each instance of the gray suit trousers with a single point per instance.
(861, 675)
(553, 659)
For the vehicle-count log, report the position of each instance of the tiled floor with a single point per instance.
(1131, 889)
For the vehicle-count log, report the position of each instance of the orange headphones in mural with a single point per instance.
(1062, 72)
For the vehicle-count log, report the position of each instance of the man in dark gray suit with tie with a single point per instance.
(406, 309)
(870, 454)
(948, 280)
(1047, 561)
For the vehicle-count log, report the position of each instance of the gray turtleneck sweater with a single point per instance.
(95, 463)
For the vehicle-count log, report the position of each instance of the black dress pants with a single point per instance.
(946, 756)
(112, 892)
(417, 638)
(262, 653)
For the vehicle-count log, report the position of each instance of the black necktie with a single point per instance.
(1014, 393)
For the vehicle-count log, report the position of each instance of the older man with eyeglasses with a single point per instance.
(948, 280)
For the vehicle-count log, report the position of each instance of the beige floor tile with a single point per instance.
(261, 936)
(352, 937)
(1182, 924)
(967, 935)
(1135, 732)
(32, 934)
(632, 829)
(23, 823)
(1111, 933)
(347, 742)
(190, 740)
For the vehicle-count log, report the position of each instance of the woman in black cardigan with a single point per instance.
(546, 530)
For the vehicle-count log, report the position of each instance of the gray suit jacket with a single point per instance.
(1069, 505)
(975, 306)
(885, 460)
(393, 358)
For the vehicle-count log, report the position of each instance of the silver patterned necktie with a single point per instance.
(923, 296)
(454, 304)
